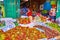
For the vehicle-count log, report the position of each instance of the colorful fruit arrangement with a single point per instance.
(23, 33)
(26, 33)
(24, 20)
(54, 26)
(49, 32)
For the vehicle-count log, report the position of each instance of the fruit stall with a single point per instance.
(23, 30)
(30, 20)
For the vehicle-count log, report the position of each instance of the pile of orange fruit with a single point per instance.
(24, 20)
(23, 33)
(26, 33)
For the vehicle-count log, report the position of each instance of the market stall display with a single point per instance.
(31, 21)
(28, 33)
